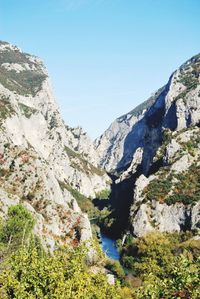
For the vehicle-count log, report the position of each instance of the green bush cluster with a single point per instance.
(26, 110)
(162, 265)
(168, 265)
(171, 188)
(159, 188)
(17, 228)
(116, 268)
(104, 194)
(62, 275)
(187, 187)
(6, 109)
(29, 272)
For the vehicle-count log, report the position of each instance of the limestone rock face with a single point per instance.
(113, 146)
(174, 107)
(43, 163)
(137, 159)
(169, 200)
(157, 150)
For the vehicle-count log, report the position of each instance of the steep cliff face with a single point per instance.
(43, 163)
(158, 150)
(174, 106)
(111, 144)
(169, 199)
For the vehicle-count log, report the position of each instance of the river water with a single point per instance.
(109, 247)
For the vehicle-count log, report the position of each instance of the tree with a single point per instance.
(18, 226)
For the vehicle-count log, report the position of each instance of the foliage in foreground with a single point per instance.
(166, 265)
(62, 275)
(28, 272)
(162, 266)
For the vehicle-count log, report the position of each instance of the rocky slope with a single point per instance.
(156, 156)
(43, 163)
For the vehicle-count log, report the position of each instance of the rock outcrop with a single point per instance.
(169, 200)
(44, 164)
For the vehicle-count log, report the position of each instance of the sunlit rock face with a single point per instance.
(43, 163)
(156, 147)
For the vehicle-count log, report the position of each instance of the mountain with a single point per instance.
(139, 182)
(111, 144)
(154, 152)
(44, 164)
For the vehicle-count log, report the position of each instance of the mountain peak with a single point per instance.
(21, 73)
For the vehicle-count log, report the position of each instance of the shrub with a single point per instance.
(18, 225)
(63, 275)
(116, 268)
(104, 194)
(167, 264)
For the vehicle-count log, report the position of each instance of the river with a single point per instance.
(109, 247)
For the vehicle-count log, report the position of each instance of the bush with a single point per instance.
(18, 225)
(167, 264)
(104, 194)
(116, 268)
(63, 275)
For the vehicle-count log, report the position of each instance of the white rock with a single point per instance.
(37, 160)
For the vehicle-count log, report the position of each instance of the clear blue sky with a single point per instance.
(104, 56)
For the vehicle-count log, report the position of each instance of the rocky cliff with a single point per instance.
(155, 153)
(112, 145)
(44, 164)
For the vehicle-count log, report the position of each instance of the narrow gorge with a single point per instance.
(138, 183)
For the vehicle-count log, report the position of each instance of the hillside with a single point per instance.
(44, 164)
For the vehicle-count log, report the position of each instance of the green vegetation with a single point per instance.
(27, 271)
(82, 164)
(26, 110)
(171, 188)
(62, 275)
(53, 122)
(25, 82)
(17, 228)
(104, 194)
(6, 109)
(187, 187)
(163, 265)
(159, 188)
(116, 268)
(86, 204)
(190, 81)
